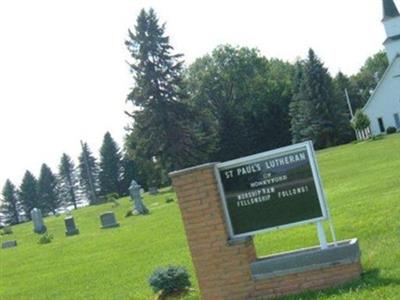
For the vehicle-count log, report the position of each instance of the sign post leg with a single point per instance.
(321, 235)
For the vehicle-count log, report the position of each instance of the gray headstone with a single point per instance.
(153, 190)
(70, 226)
(134, 191)
(108, 220)
(37, 219)
(9, 244)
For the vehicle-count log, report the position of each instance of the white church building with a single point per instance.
(383, 107)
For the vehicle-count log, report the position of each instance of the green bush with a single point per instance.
(169, 200)
(170, 280)
(377, 137)
(391, 130)
(129, 213)
(112, 198)
(45, 238)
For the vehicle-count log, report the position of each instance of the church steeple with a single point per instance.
(389, 9)
(391, 21)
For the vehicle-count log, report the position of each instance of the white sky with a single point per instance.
(63, 75)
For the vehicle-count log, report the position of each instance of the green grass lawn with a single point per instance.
(362, 182)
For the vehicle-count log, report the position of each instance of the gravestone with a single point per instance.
(37, 219)
(134, 191)
(153, 190)
(9, 244)
(70, 226)
(108, 220)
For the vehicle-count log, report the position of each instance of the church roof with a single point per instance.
(389, 9)
(392, 38)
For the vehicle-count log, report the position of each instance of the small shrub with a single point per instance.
(391, 130)
(45, 238)
(6, 230)
(169, 200)
(112, 198)
(377, 137)
(170, 280)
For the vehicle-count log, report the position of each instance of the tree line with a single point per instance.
(232, 102)
(227, 104)
(89, 181)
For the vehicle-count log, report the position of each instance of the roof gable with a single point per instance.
(378, 86)
(389, 9)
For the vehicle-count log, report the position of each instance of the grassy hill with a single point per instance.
(362, 182)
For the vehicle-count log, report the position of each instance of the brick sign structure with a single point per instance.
(229, 269)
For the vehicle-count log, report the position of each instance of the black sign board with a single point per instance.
(279, 188)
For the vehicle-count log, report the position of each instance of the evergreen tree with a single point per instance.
(128, 174)
(10, 204)
(88, 174)
(314, 104)
(68, 181)
(162, 127)
(28, 194)
(47, 190)
(110, 166)
(300, 109)
(341, 113)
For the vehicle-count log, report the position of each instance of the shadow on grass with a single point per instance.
(370, 280)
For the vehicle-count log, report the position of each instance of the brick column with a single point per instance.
(223, 267)
(222, 270)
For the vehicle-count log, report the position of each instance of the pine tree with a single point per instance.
(47, 190)
(312, 106)
(299, 108)
(129, 173)
(341, 113)
(68, 181)
(88, 174)
(28, 194)
(10, 206)
(110, 166)
(162, 126)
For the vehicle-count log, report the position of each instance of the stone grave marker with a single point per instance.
(70, 226)
(153, 190)
(134, 191)
(9, 244)
(37, 219)
(108, 220)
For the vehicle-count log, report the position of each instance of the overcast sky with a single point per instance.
(63, 75)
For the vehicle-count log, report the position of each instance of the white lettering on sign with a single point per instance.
(285, 160)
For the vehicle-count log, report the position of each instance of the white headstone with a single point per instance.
(37, 219)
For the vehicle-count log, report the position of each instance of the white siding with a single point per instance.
(392, 26)
(392, 49)
(385, 101)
